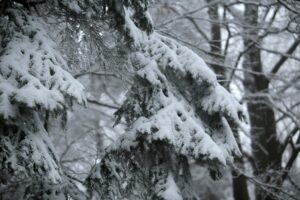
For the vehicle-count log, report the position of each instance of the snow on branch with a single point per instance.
(31, 70)
(176, 97)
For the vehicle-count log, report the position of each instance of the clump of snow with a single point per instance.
(219, 100)
(170, 54)
(31, 70)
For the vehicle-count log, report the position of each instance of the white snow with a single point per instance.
(136, 34)
(219, 100)
(173, 118)
(32, 72)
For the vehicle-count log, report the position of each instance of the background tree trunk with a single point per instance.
(215, 42)
(265, 147)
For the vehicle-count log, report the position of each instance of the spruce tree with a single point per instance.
(33, 86)
(175, 111)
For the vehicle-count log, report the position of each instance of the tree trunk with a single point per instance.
(215, 42)
(265, 147)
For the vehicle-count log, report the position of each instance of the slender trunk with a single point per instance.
(239, 182)
(265, 147)
(215, 42)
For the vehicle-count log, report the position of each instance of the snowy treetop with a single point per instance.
(31, 70)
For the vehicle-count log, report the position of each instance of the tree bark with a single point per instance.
(265, 147)
(215, 42)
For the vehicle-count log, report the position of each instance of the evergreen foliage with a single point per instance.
(33, 84)
(175, 110)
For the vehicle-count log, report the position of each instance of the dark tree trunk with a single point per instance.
(215, 42)
(239, 184)
(265, 147)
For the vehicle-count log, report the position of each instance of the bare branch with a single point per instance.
(102, 104)
(97, 74)
(288, 7)
(285, 56)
